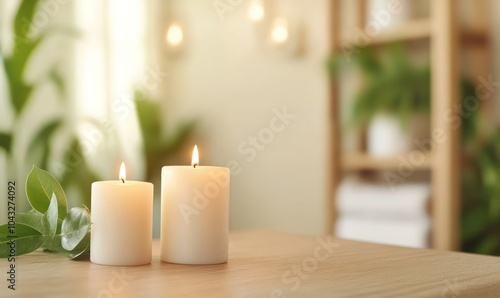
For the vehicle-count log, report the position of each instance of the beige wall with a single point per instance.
(233, 81)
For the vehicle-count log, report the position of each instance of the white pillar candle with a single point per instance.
(194, 213)
(122, 219)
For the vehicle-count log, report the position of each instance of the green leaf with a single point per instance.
(487, 246)
(74, 227)
(24, 47)
(40, 186)
(82, 248)
(148, 114)
(59, 83)
(49, 219)
(26, 240)
(368, 61)
(80, 177)
(42, 138)
(24, 17)
(391, 84)
(174, 141)
(474, 222)
(32, 220)
(5, 141)
(53, 244)
(19, 91)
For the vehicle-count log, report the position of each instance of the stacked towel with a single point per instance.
(378, 213)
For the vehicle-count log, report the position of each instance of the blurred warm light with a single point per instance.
(175, 35)
(123, 173)
(256, 12)
(279, 32)
(195, 160)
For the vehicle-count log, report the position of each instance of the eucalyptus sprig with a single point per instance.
(48, 225)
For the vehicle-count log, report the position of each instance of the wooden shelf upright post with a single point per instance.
(445, 96)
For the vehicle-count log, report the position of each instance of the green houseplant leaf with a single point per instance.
(24, 17)
(42, 138)
(53, 244)
(32, 220)
(175, 139)
(157, 144)
(24, 44)
(40, 185)
(5, 141)
(148, 114)
(49, 219)
(74, 227)
(391, 86)
(26, 240)
(82, 248)
(81, 176)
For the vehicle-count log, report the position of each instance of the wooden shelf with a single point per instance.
(409, 31)
(364, 161)
(474, 37)
(420, 30)
(445, 37)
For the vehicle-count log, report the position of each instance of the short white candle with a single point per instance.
(194, 213)
(122, 214)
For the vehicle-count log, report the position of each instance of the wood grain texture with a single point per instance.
(445, 96)
(357, 161)
(261, 264)
(334, 144)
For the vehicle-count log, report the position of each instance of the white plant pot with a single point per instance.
(386, 136)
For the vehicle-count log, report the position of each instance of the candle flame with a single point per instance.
(123, 173)
(195, 160)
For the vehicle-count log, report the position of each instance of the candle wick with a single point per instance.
(194, 165)
(123, 180)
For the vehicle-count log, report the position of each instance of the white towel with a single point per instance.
(409, 233)
(380, 200)
(375, 212)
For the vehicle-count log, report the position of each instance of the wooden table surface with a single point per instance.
(269, 264)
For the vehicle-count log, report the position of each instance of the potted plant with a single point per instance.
(394, 100)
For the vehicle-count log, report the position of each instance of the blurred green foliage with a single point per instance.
(392, 85)
(75, 173)
(158, 145)
(26, 41)
(481, 196)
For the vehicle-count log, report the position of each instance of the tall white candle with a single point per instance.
(194, 214)
(122, 218)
